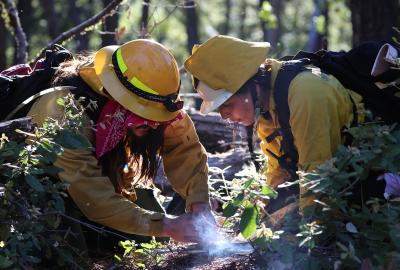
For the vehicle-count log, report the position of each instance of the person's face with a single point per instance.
(238, 108)
(141, 131)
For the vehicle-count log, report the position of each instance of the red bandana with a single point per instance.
(114, 122)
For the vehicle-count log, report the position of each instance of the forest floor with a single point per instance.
(185, 257)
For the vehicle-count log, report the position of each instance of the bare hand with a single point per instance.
(182, 228)
(191, 227)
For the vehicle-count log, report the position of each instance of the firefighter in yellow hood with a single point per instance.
(236, 78)
(139, 118)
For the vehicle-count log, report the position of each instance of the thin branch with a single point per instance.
(107, 11)
(160, 22)
(19, 34)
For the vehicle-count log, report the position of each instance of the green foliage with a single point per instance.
(339, 230)
(266, 14)
(31, 200)
(143, 255)
(362, 228)
(320, 23)
(244, 200)
(248, 222)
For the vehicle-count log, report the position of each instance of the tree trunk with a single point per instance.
(242, 19)
(75, 14)
(227, 24)
(373, 19)
(145, 18)
(110, 26)
(191, 24)
(21, 44)
(316, 38)
(272, 35)
(26, 18)
(3, 44)
(51, 17)
(192, 31)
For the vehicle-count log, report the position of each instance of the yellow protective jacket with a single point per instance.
(185, 164)
(319, 108)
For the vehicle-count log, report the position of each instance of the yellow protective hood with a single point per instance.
(88, 74)
(224, 62)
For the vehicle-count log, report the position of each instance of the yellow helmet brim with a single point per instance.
(148, 109)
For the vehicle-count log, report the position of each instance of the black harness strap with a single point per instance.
(170, 102)
(288, 71)
(289, 159)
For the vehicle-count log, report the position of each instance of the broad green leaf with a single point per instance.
(238, 201)
(248, 222)
(269, 191)
(52, 169)
(69, 139)
(59, 204)
(147, 245)
(229, 210)
(127, 250)
(248, 183)
(262, 242)
(34, 183)
(60, 101)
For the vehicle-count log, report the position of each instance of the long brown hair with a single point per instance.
(141, 153)
(136, 152)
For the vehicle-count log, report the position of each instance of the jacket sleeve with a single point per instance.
(185, 161)
(92, 192)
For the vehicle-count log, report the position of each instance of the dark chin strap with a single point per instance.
(170, 102)
(250, 129)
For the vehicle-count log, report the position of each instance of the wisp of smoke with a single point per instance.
(217, 242)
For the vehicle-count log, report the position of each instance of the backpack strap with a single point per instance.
(290, 157)
(34, 97)
(286, 74)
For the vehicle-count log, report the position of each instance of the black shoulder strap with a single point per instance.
(290, 157)
(288, 71)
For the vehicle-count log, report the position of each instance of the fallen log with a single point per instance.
(216, 134)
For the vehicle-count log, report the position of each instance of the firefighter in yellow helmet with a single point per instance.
(139, 119)
(236, 78)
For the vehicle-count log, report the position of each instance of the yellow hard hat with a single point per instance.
(222, 65)
(143, 76)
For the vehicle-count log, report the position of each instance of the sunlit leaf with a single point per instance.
(60, 101)
(248, 222)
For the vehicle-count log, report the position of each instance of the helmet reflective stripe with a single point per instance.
(138, 84)
(120, 61)
(134, 81)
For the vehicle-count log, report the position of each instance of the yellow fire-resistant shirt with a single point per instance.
(319, 108)
(185, 164)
